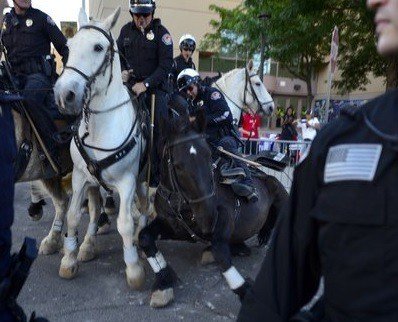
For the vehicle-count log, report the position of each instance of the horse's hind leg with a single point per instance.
(222, 253)
(162, 289)
(135, 273)
(53, 242)
(69, 264)
(35, 209)
(87, 249)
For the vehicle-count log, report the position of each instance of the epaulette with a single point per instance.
(350, 111)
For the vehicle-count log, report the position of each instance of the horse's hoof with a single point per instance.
(162, 298)
(68, 272)
(103, 230)
(110, 207)
(51, 244)
(86, 254)
(135, 276)
(207, 257)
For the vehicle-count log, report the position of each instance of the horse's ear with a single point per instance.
(83, 20)
(250, 65)
(110, 22)
(200, 121)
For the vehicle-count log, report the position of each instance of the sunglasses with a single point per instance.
(145, 15)
(188, 48)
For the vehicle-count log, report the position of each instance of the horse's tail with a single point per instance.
(278, 191)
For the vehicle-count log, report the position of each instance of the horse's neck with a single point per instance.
(233, 87)
(110, 128)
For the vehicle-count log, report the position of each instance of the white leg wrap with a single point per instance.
(234, 279)
(130, 255)
(157, 263)
(70, 243)
(57, 226)
(92, 229)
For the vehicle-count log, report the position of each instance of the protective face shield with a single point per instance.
(187, 78)
(187, 42)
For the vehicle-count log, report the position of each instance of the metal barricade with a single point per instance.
(293, 149)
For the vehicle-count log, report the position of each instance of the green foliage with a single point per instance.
(299, 34)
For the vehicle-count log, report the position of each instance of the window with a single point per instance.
(210, 62)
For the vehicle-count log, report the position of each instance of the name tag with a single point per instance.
(352, 162)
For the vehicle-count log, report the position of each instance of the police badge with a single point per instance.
(150, 35)
(29, 22)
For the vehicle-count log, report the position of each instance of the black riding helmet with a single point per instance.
(186, 78)
(142, 6)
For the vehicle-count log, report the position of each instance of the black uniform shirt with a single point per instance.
(149, 54)
(218, 114)
(31, 35)
(179, 64)
(341, 223)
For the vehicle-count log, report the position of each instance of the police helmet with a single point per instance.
(186, 78)
(142, 6)
(188, 41)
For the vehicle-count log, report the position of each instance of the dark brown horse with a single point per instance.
(192, 205)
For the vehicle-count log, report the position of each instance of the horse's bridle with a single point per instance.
(175, 186)
(90, 80)
(248, 77)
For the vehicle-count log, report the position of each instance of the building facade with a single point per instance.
(187, 16)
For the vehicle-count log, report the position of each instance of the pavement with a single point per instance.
(100, 291)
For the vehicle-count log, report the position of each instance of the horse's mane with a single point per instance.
(232, 73)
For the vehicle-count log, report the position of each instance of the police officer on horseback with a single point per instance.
(219, 129)
(146, 53)
(184, 60)
(27, 37)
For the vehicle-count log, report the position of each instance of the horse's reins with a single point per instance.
(176, 187)
(93, 166)
(87, 97)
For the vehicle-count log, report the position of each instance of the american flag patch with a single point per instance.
(350, 162)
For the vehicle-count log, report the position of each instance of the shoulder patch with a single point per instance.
(352, 162)
(215, 96)
(167, 40)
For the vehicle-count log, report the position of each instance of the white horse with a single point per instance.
(244, 91)
(91, 83)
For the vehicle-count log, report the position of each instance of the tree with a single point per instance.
(299, 34)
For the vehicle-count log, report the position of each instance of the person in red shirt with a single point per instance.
(249, 125)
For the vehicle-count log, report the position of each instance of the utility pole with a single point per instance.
(263, 17)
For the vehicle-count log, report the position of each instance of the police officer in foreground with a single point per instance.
(342, 221)
(219, 128)
(27, 37)
(184, 60)
(146, 49)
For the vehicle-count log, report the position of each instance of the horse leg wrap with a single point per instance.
(92, 229)
(157, 262)
(234, 279)
(130, 255)
(70, 243)
(57, 226)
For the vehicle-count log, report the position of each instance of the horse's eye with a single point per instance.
(258, 84)
(98, 48)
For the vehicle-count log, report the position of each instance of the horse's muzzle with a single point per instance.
(69, 100)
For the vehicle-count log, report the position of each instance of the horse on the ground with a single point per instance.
(244, 92)
(192, 205)
(108, 145)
